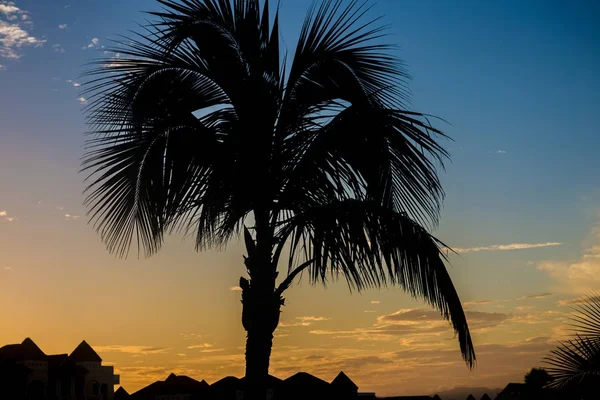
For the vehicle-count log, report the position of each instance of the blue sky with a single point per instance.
(517, 81)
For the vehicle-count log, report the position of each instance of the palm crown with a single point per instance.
(200, 126)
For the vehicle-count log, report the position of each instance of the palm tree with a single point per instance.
(200, 127)
(575, 364)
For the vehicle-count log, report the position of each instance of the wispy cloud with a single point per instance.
(374, 301)
(138, 350)
(235, 289)
(82, 100)
(200, 346)
(70, 217)
(2, 67)
(93, 44)
(476, 303)
(62, 26)
(7, 268)
(58, 48)
(506, 247)
(501, 151)
(303, 321)
(13, 35)
(536, 296)
(72, 82)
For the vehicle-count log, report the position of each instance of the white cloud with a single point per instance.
(13, 36)
(4, 216)
(82, 100)
(9, 8)
(579, 275)
(2, 67)
(504, 247)
(58, 48)
(501, 151)
(62, 26)
(70, 217)
(93, 44)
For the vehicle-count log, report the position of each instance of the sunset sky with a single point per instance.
(517, 81)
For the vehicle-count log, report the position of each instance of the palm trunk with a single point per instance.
(260, 317)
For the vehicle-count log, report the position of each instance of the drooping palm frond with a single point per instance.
(372, 246)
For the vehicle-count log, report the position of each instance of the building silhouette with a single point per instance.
(300, 386)
(27, 373)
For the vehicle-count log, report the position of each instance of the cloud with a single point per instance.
(505, 247)
(13, 36)
(82, 100)
(579, 275)
(200, 346)
(58, 48)
(190, 335)
(2, 67)
(70, 217)
(476, 303)
(374, 301)
(94, 44)
(418, 321)
(536, 296)
(7, 268)
(137, 350)
(4, 216)
(235, 289)
(501, 152)
(62, 26)
(303, 321)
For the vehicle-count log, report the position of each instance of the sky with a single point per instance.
(519, 86)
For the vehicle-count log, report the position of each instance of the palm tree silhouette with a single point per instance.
(200, 127)
(575, 363)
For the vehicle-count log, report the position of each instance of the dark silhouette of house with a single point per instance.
(300, 386)
(407, 398)
(485, 397)
(179, 387)
(26, 372)
(471, 397)
(520, 391)
(121, 394)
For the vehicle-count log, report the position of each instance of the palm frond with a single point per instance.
(372, 246)
(575, 365)
(585, 319)
(365, 151)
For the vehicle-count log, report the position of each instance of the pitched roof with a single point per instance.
(513, 388)
(83, 353)
(227, 382)
(485, 397)
(121, 393)
(342, 381)
(148, 392)
(305, 379)
(471, 397)
(28, 350)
